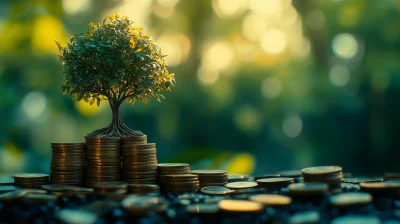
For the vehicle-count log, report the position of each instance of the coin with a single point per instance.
(143, 188)
(241, 184)
(357, 180)
(266, 176)
(308, 189)
(76, 216)
(202, 209)
(350, 199)
(271, 199)
(381, 188)
(228, 205)
(277, 182)
(139, 146)
(306, 217)
(4, 189)
(140, 205)
(216, 190)
(39, 198)
(321, 170)
(6, 181)
(352, 219)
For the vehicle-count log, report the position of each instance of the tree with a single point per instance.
(114, 61)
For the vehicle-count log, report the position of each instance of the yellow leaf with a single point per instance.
(112, 17)
(145, 101)
(125, 17)
(139, 50)
(58, 45)
(59, 55)
(132, 43)
(104, 20)
(98, 25)
(92, 101)
(116, 15)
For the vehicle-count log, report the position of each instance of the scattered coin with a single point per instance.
(199, 209)
(241, 184)
(350, 199)
(356, 219)
(216, 190)
(228, 205)
(381, 188)
(306, 217)
(277, 182)
(74, 216)
(266, 176)
(6, 181)
(140, 205)
(271, 199)
(357, 180)
(308, 189)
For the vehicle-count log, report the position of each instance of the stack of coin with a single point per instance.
(143, 189)
(31, 180)
(139, 163)
(173, 168)
(211, 177)
(110, 187)
(179, 182)
(103, 159)
(331, 175)
(134, 140)
(388, 188)
(67, 163)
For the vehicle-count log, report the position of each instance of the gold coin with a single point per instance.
(216, 190)
(240, 206)
(321, 170)
(350, 199)
(271, 199)
(241, 184)
(305, 189)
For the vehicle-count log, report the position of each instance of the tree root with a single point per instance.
(115, 129)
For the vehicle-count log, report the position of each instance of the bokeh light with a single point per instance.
(34, 104)
(76, 6)
(345, 46)
(273, 41)
(253, 26)
(292, 126)
(248, 119)
(242, 163)
(207, 74)
(176, 47)
(271, 88)
(228, 8)
(339, 75)
(45, 30)
(220, 55)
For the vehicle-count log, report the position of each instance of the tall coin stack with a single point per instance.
(176, 177)
(211, 177)
(103, 159)
(139, 163)
(67, 163)
(331, 175)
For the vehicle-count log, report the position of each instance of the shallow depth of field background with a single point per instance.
(262, 85)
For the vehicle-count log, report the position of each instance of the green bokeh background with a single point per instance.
(262, 85)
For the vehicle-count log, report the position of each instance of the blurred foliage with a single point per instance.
(290, 83)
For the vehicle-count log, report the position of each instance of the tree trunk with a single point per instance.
(117, 128)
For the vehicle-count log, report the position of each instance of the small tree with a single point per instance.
(114, 61)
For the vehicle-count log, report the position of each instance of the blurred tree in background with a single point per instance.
(262, 85)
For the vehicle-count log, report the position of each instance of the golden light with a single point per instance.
(136, 10)
(253, 27)
(11, 158)
(45, 30)
(242, 163)
(168, 3)
(207, 75)
(176, 47)
(268, 7)
(89, 110)
(248, 119)
(229, 8)
(274, 41)
(162, 11)
(76, 6)
(246, 50)
(345, 46)
(220, 55)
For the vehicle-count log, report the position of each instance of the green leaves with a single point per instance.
(114, 61)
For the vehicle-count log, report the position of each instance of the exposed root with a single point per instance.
(115, 129)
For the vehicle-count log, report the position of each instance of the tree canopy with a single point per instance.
(114, 61)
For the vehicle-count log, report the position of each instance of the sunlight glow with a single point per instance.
(45, 30)
(345, 46)
(176, 47)
(220, 55)
(76, 6)
(207, 75)
(229, 8)
(253, 27)
(273, 41)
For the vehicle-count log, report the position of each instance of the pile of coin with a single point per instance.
(110, 188)
(139, 163)
(173, 168)
(211, 177)
(31, 180)
(179, 183)
(331, 175)
(67, 163)
(103, 159)
(143, 189)
(388, 188)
